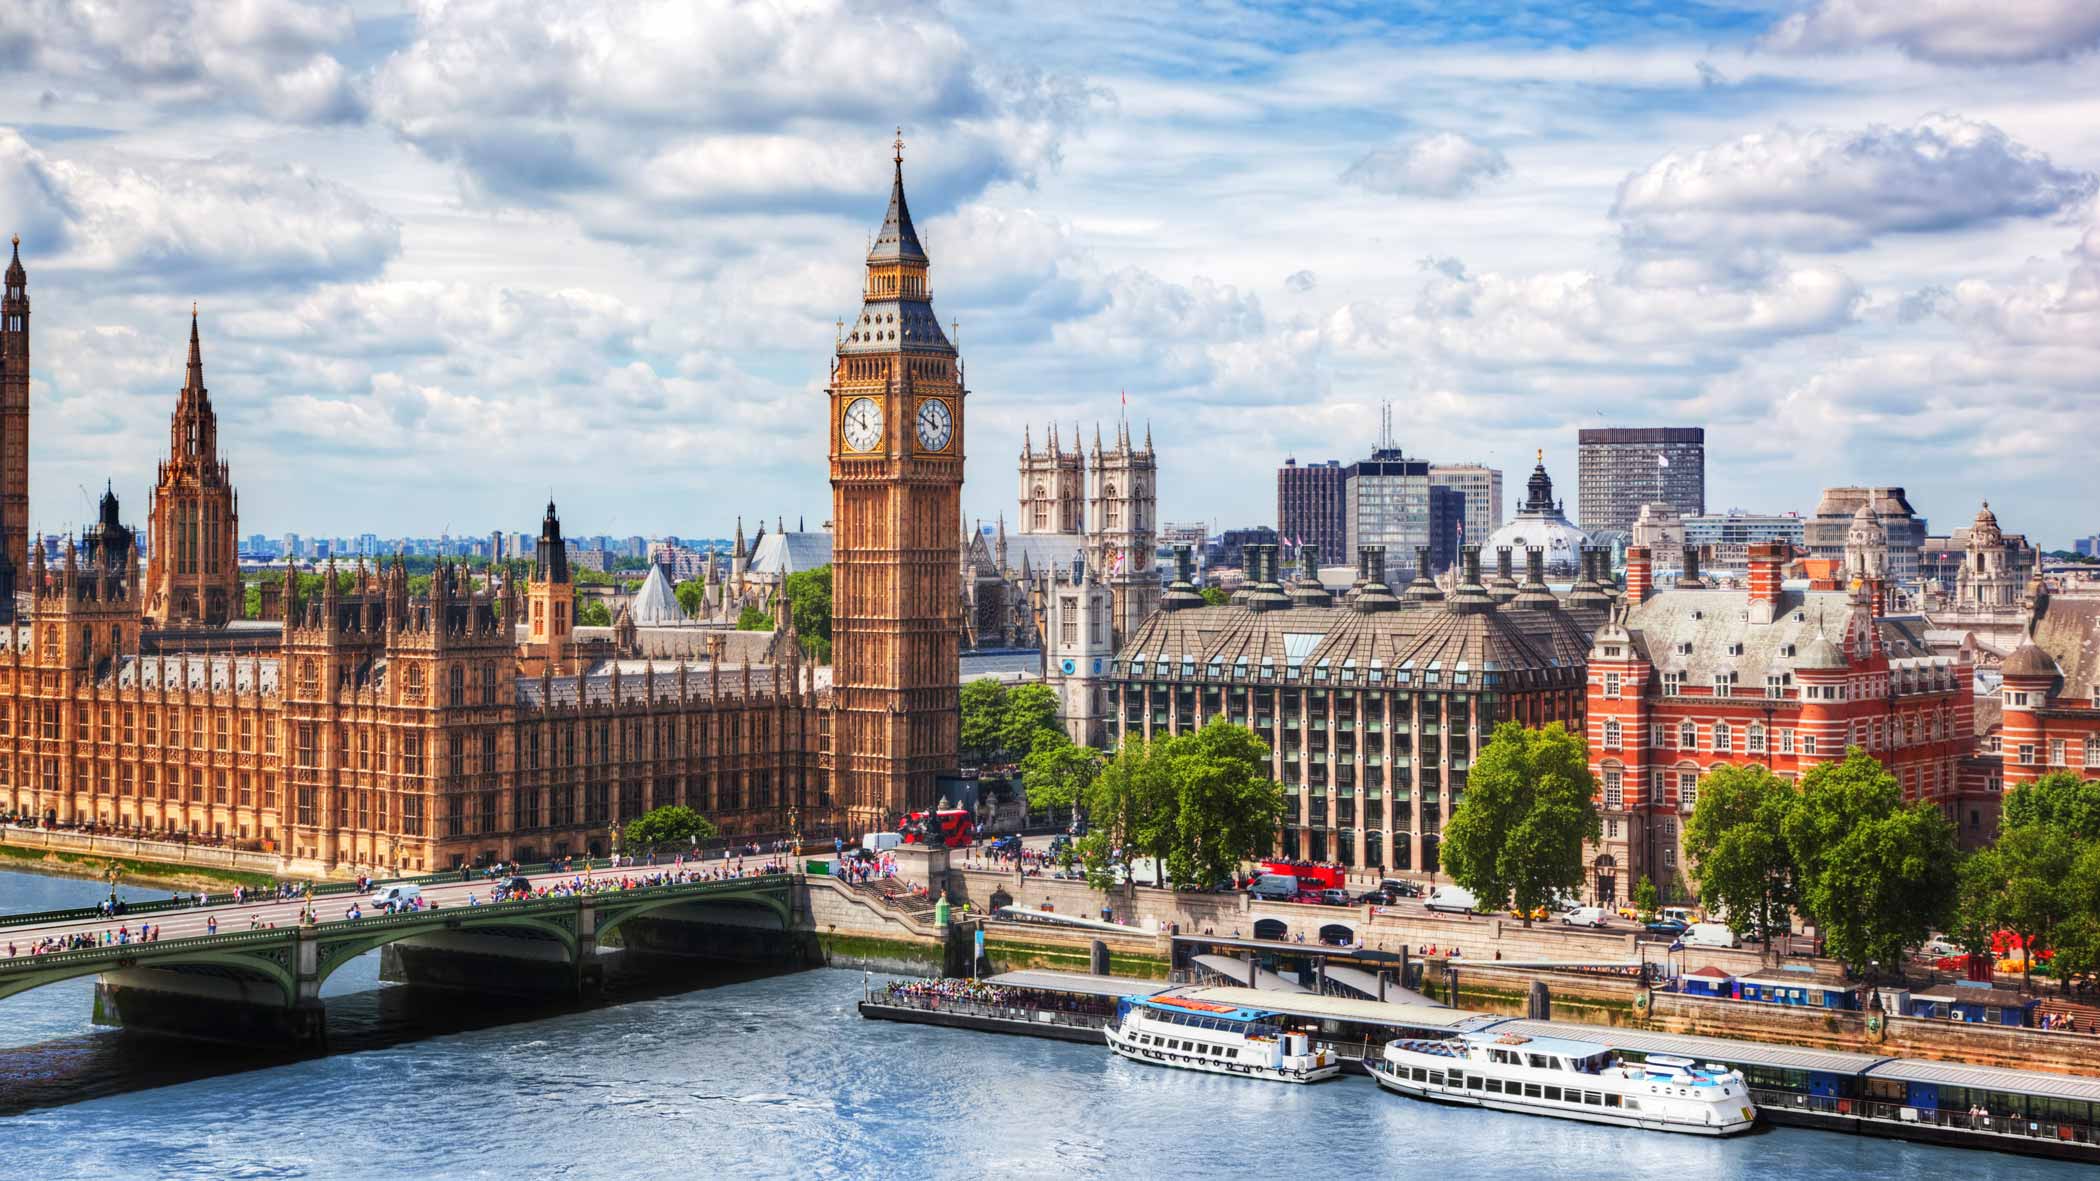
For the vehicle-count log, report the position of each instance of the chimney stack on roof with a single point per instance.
(1640, 574)
(1766, 558)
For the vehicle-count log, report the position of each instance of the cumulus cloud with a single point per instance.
(193, 224)
(1300, 282)
(1955, 32)
(1822, 190)
(1445, 164)
(676, 109)
(271, 57)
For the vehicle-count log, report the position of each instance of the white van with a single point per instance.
(880, 842)
(400, 895)
(1683, 914)
(1277, 887)
(1451, 898)
(1710, 935)
(1586, 916)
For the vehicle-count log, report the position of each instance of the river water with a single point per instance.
(766, 1077)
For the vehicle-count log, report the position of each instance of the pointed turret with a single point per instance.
(898, 239)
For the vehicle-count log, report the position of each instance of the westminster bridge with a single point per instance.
(252, 971)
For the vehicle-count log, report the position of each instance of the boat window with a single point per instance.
(1494, 1086)
(1436, 1078)
(1420, 1075)
(1541, 1062)
(1592, 1098)
(1553, 1093)
(1613, 1099)
(1531, 1090)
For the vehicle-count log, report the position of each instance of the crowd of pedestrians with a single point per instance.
(86, 940)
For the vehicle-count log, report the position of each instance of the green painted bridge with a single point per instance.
(265, 983)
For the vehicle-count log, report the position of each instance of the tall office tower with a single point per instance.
(1483, 490)
(1309, 508)
(1619, 469)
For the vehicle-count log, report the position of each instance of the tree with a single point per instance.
(1517, 833)
(1647, 899)
(2059, 799)
(1215, 596)
(593, 613)
(754, 619)
(810, 592)
(689, 594)
(1876, 874)
(672, 824)
(1031, 711)
(983, 711)
(1736, 842)
(1197, 804)
(1225, 807)
(1057, 773)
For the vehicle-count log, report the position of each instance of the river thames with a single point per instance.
(765, 1077)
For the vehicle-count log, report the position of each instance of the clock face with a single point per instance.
(861, 426)
(935, 424)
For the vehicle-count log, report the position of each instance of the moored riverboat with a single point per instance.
(1568, 1080)
(1221, 1039)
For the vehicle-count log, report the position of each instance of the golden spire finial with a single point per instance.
(18, 239)
(899, 145)
(1542, 456)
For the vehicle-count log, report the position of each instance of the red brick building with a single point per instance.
(1691, 678)
(2051, 694)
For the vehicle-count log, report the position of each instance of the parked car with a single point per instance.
(1334, 897)
(1587, 916)
(1401, 888)
(1671, 927)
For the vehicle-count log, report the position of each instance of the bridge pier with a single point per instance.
(182, 1001)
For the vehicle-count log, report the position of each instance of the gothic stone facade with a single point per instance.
(374, 728)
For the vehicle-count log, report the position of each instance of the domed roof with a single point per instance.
(1985, 531)
(1820, 654)
(1551, 532)
(2028, 660)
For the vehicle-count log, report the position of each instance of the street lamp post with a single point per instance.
(111, 875)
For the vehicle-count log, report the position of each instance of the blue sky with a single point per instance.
(452, 255)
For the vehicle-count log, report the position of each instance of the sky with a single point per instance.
(453, 256)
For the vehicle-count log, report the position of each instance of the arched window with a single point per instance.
(1688, 736)
(1756, 735)
(456, 686)
(1112, 512)
(1611, 733)
(309, 676)
(488, 684)
(1724, 738)
(415, 682)
(1040, 510)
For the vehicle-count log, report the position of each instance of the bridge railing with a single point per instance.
(326, 889)
(156, 948)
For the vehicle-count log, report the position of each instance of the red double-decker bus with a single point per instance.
(951, 828)
(1311, 877)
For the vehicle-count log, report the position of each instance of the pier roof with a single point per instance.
(1705, 1049)
(1989, 1078)
(1341, 1008)
(1084, 983)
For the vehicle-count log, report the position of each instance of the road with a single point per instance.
(193, 921)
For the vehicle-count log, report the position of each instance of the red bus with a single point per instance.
(1310, 877)
(953, 826)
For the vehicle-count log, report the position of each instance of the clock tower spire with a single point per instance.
(896, 413)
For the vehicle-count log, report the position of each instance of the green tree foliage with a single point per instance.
(593, 613)
(1647, 899)
(810, 592)
(1876, 874)
(1517, 833)
(1215, 596)
(689, 595)
(668, 826)
(1197, 804)
(1736, 842)
(2041, 880)
(1057, 773)
(1001, 724)
(983, 708)
(754, 619)
(251, 596)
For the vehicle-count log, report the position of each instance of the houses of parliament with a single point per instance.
(362, 726)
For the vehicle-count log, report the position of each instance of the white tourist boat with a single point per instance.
(1222, 1039)
(1568, 1079)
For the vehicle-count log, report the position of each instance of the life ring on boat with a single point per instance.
(1877, 1025)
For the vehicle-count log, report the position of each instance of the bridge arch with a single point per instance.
(770, 898)
(339, 948)
(270, 965)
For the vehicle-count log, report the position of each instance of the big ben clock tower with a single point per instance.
(896, 418)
